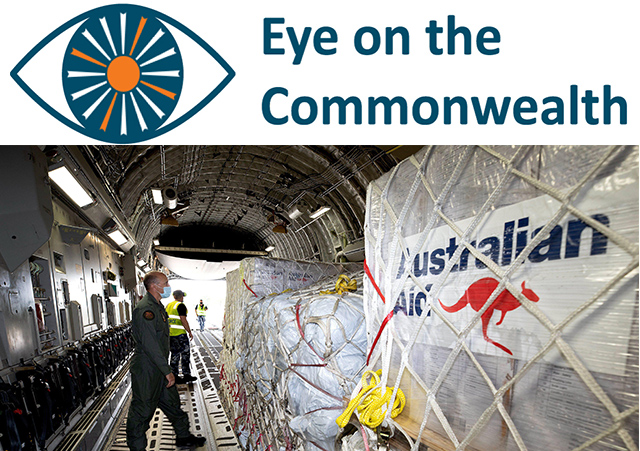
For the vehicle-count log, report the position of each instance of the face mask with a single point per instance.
(166, 293)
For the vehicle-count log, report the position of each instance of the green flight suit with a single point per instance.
(149, 367)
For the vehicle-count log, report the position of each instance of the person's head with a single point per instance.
(201, 302)
(178, 295)
(157, 284)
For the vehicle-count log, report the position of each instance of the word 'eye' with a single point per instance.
(129, 73)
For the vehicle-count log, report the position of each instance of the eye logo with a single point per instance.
(123, 74)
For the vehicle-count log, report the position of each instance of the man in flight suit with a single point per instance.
(179, 343)
(152, 382)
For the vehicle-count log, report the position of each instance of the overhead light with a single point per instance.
(118, 237)
(156, 242)
(146, 269)
(68, 183)
(141, 263)
(270, 248)
(319, 212)
(157, 196)
(294, 213)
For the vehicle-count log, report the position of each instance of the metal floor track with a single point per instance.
(200, 400)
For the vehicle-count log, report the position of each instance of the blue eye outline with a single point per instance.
(89, 14)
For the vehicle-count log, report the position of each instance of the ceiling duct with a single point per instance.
(170, 197)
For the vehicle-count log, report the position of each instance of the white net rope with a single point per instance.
(465, 389)
(257, 277)
(304, 354)
(291, 358)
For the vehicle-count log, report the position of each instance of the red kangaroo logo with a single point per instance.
(477, 295)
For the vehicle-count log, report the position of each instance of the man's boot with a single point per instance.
(191, 440)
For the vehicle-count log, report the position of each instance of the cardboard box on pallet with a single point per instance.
(550, 363)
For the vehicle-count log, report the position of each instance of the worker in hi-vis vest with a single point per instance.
(178, 330)
(201, 312)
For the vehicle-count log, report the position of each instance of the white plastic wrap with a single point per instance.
(269, 390)
(307, 352)
(550, 363)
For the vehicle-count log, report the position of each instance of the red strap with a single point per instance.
(382, 326)
(323, 408)
(373, 282)
(317, 446)
(287, 441)
(388, 317)
(248, 288)
(314, 385)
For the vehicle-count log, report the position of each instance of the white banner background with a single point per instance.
(562, 285)
(545, 47)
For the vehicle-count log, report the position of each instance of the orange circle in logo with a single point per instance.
(123, 73)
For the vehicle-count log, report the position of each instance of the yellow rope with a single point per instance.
(370, 402)
(343, 285)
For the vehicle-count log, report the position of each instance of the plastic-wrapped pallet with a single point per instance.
(303, 352)
(256, 278)
(510, 275)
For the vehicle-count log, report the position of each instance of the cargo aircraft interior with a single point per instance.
(347, 297)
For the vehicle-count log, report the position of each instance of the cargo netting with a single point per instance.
(501, 297)
(294, 349)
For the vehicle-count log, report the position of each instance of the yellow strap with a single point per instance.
(343, 285)
(370, 402)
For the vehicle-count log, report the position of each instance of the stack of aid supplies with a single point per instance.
(294, 349)
(501, 296)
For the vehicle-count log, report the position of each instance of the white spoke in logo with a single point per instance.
(77, 95)
(153, 106)
(105, 27)
(168, 53)
(93, 41)
(150, 44)
(123, 119)
(123, 27)
(76, 74)
(143, 126)
(92, 108)
(163, 73)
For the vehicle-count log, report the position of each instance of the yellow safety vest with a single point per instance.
(175, 325)
(200, 311)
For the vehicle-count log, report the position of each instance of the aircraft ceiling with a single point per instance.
(234, 197)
